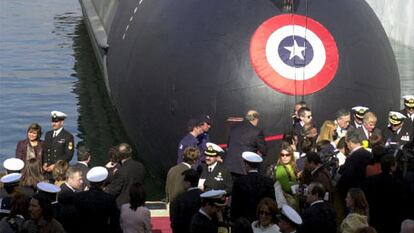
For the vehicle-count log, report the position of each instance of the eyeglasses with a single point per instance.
(309, 117)
(265, 213)
(284, 155)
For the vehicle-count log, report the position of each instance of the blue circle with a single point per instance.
(295, 61)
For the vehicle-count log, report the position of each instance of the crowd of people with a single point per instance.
(349, 176)
(41, 192)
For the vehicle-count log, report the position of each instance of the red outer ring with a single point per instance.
(276, 80)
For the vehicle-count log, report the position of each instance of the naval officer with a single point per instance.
(408, 111)
(398, 133)
(58, 144)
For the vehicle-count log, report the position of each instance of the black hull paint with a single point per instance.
(177, 59)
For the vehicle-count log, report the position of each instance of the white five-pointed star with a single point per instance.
(295, 50)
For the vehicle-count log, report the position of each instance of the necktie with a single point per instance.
(209, 169)
(54, 133)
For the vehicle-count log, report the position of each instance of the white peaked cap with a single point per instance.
(48, 187)
(360, 108)
(252, 157)
(11, 178)
(58, 114)
(216, 196)
(291, 214)
(13, 164)
(214, 146)
(97, 174)
(213, 194)
(397, 115)
(408, 97)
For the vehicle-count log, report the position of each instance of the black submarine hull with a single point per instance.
(168, 61)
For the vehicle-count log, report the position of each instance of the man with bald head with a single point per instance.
(246, 136)
(130, 172)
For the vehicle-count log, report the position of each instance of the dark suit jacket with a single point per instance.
(219, 178)
(243, 137)
(21, 150)
(64, 188)
(183, 208)
(98, 211)
(320, 218)
(364, 136)
(66, 212)
(58, 148)
(247, 192)
(201, 224)
(130, 172)
(353, 170)
(175, 180)
(387, 202)
(84, 170)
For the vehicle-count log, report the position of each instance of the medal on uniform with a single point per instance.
(70, 146)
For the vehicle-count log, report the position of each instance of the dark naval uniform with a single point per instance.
(200, 223)
(409, 121)
(58, 148)
(188, 140)
(247, 192)
(219, 178)
(400, 137)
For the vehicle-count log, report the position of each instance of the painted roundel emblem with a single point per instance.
(294, 54)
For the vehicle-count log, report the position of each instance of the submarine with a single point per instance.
(164, 62)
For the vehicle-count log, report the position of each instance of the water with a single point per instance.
(47, 63)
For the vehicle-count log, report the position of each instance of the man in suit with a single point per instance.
(305, 117)
(319, 217)
(84, 157)
(73, 181)
(368, 129)
(206, 219)
(130, 172)
(175, 179)
(244, 137)
(353, 171)
(343, 118)
(249, 189)
(68, 215)
(97, 209)
(186, 204)
(58, 144)
(397, 133)
(215, 175)
(295, 115)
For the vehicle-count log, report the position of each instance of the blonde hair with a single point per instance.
(327, 131)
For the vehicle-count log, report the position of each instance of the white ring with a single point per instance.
(295, 73)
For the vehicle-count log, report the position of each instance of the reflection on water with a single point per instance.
(47, 63)
(36, 65)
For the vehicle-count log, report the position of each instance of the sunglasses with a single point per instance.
(284, 155)
(309, 117)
